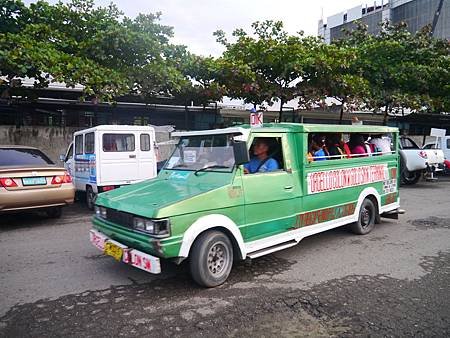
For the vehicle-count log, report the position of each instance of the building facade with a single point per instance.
(415, 13)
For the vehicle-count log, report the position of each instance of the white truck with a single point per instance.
(442, 143)
(109, 156)
(415, 161)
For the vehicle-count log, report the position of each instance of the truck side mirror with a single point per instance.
(240, 152)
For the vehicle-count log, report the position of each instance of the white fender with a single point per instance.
(207, 222)
(366, 192)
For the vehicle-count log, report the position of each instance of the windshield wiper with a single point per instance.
(179, 166)
(210, 167)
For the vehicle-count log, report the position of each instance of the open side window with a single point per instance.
(340, 146)
(275, 157)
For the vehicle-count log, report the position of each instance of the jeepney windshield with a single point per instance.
(203, 152)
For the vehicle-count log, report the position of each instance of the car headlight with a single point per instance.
(155, 227)
(100, 211)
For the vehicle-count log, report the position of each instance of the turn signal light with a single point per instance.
(66, 178)
(7, 183)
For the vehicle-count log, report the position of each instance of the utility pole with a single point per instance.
(436, 17)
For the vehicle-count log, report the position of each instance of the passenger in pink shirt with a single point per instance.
(357, 145)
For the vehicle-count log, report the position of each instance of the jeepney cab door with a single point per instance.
(270, 196)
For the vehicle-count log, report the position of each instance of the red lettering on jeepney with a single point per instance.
(147, 263)
(137, 260)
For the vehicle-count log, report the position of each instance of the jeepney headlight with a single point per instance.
(159, 228)
(100, 211)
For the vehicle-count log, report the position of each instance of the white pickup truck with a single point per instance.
(440, 143)
(415, 161)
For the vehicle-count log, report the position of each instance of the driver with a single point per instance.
(261, 161)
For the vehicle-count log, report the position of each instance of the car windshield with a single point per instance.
(206, 152)
(23, 157)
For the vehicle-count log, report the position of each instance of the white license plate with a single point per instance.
(98, 240)
(145, 262)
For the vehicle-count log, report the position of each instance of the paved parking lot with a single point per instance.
(393, 282)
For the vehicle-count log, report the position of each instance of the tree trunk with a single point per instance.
(386, 114)
(341, 115)
(280, 115)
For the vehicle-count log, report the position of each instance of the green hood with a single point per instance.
(148, 197)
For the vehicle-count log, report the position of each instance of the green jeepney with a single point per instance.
(204, 207)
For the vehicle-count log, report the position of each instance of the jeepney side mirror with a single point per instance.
(240, 151)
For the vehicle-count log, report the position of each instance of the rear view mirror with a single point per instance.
(240, 152)
(62, 158)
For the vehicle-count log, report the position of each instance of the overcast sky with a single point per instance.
(194, 21)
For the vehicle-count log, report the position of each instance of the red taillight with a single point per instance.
(7, 182)
(108, 188)
(66, 178)
(423, 154)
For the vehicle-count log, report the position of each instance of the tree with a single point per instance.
(336, 76)
(78, 43)
(203, 84)
(271, 62)
(403, 70)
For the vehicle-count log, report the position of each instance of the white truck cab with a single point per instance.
(108, 156)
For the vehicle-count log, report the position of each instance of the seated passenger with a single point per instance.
(357, 145)
(317, 148)
(334, 147)
(261, 161)
(382, 144)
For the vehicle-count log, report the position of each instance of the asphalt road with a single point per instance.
(393, 282)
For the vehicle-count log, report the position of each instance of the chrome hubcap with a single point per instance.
(365, 217)
(217, 258)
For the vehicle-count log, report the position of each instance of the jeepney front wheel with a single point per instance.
(366, 219)
(211, 258)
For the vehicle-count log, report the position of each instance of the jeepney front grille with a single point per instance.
(119, 217)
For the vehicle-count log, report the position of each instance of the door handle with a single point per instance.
(132, 156)
(288, 187)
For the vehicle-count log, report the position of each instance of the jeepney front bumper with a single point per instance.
(123, 253)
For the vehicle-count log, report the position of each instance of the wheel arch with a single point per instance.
(213, 222)
(374, 196)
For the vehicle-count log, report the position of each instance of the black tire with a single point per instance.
(54, 212)
(366, 219)
(408, 177)
(91, 196)
(211, 258)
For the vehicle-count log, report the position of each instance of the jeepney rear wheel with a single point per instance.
(366, 219)
(211, 258)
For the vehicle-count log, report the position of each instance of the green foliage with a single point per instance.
(97, 47)
(112, 55)
(268, 64)
(403, 70)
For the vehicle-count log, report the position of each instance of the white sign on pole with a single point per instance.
(256, 120)
(436, 132)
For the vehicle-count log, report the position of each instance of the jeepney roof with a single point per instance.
(292, 128)
(328, 128)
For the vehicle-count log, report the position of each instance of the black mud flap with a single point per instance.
(393, 214)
